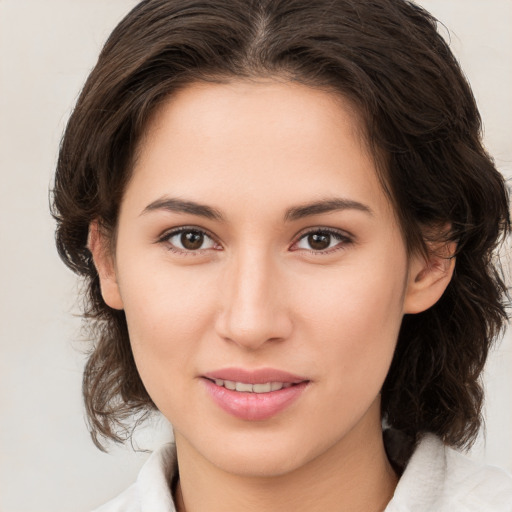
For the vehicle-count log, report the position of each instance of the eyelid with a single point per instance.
(169, 233)
(343, 236)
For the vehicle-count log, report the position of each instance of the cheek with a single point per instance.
(354, 329)
(354, 319)
(168, 314)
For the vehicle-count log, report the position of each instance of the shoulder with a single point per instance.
(478, 486)
(151, 492)
(127, 501)
(442, 479)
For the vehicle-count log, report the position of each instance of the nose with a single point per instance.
(254, 309)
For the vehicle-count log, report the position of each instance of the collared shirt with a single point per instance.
(436, 479)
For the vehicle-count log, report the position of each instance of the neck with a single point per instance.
(353, 476)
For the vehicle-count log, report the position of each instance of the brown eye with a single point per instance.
(319, 241)
(322, 240)
(189, 240)
(192, 240)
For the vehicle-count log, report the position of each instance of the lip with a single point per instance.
(259, 376)
(254, 406)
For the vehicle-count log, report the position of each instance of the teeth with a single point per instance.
(262, 388)
(228, 384)
(240, 386)
(252, 388)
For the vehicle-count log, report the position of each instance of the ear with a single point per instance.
(428, 277)
(102, 256)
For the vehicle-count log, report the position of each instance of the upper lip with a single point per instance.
(259, 376)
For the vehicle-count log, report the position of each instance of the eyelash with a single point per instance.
(343, 240)
(165, 239)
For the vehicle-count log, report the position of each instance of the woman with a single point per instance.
(286, 219)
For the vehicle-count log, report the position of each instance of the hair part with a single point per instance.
(424, 130)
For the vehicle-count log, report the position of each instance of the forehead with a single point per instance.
(283, 140)
(287, 109)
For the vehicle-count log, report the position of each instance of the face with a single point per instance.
(257, 250)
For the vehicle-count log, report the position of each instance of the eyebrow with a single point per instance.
(292, 214)
(181, 206)
(325, 206)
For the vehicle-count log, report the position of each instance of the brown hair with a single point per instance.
(422, 122)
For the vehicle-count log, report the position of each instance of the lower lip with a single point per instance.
(254, 406)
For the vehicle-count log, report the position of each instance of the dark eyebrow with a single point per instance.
(295, 213)
(325, 206)
(181, 206)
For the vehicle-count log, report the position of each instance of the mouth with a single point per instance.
(264, 376)
(246, 387)
(254, 395)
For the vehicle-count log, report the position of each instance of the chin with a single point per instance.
(262, 453)
(256, 462)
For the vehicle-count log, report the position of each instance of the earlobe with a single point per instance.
(104, 263)
(428, 278)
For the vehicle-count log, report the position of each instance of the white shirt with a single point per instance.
(436, 479)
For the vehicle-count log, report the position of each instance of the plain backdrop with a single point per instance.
(47, 48)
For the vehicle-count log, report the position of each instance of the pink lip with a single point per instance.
(254, 406)
(260, 376)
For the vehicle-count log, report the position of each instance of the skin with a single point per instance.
(258, 294)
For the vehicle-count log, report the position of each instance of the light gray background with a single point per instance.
(47, 47)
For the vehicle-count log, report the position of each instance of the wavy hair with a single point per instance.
(424, 129)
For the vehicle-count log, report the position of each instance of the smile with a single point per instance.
(254, 395)
(245, 387)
